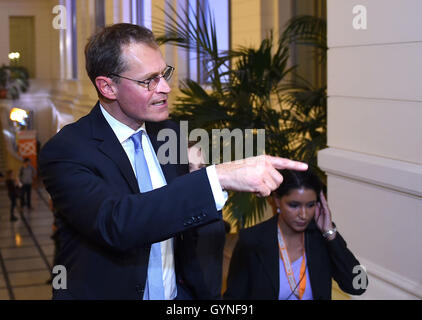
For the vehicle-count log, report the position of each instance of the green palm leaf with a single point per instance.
(254, 91)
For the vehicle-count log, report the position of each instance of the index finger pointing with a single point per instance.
(282, 163)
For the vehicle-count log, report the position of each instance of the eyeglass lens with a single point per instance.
(156, 80)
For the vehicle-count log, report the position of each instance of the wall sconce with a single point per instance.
(19, 115)
(14, 57)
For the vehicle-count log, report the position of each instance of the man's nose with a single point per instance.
(163, 86)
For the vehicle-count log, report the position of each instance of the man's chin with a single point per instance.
(162, 116)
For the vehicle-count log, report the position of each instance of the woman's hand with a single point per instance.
(323, 215)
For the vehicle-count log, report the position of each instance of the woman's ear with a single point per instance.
(275, 203)
(106, 87)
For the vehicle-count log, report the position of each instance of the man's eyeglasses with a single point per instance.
(153, 82)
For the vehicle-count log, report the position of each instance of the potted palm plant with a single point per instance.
(249, 88)
(13, 81)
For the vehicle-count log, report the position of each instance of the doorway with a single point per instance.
(22, 40)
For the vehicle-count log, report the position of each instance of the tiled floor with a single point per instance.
(26, 249)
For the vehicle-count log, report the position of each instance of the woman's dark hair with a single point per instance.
(298, 179)
(104, 48)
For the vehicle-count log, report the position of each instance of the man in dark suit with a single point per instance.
(107, 223)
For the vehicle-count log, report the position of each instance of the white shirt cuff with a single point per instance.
(220, 196)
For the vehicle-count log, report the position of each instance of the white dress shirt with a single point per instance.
(123, 134)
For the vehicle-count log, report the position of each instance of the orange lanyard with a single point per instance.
(288, 268)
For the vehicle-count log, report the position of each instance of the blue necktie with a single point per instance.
(154, 287)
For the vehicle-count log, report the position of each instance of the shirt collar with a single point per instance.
(122, 131)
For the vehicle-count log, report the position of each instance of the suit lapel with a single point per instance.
(170, 171)
(268, 254)
(111, 147)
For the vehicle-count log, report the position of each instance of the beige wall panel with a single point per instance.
(398, 175)
(246, 23)
(374, 160)
(387, 72)
(381, 226)
(157, 13)
(85, 25)
(386, 128)
(388, 21)
(57, 56)
(43, 36)
(269, 11)
(110, 11)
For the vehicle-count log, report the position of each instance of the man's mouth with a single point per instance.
(159, 102)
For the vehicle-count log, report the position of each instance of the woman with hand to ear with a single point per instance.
(296, 254)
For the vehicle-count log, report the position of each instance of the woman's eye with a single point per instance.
(293, 205)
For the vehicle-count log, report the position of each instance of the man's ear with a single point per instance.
(106, 87)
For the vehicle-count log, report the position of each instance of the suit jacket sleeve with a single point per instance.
(343, 262)
(90, 193)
